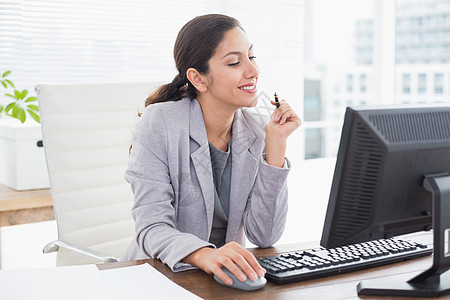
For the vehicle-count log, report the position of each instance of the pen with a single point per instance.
(277, 103)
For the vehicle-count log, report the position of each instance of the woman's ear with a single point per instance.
(197, 80)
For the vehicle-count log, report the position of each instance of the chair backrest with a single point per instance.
(87, 130)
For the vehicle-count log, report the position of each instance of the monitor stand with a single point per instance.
(435, 281)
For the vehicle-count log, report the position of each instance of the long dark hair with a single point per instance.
(196, 43)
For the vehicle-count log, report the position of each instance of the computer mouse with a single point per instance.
(247, 285)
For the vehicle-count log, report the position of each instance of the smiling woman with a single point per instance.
(203, 171)
(62, 42)
(231, 82)
(189, 55)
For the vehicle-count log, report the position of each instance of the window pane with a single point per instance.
(311, 101)
(438, 83)
(422, 83)
(399, 53)
(313, 143)
(338, 52)
(363, 83)
(422, 50)
(406, 83)
(349, 83)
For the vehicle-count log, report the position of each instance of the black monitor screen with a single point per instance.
(383, 156)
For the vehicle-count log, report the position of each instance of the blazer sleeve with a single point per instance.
(266, 211)
(154, 210)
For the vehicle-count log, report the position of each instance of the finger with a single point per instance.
(248, 263)
(278, 112)
(245, 267)
(275, 116)
(233, 268)
(284, 106)
(281, 103)
(222, 276)
(283, 114)
(284, 117)
(253, 262)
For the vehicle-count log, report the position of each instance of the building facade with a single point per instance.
(421, 70)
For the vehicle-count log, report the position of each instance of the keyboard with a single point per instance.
(320, 262)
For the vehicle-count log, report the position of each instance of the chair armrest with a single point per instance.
(55, 245)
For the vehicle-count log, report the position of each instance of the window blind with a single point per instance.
(44, 41)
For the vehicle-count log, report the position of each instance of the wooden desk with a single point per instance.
(334, 287)
(22, 207)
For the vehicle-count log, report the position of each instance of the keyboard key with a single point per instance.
(326, 263)
(319, 265)
(342, 260)
(334, 262)
(298, 265)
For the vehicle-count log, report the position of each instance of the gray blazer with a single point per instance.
(171, 177)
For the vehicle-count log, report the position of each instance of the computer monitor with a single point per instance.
(384, 155)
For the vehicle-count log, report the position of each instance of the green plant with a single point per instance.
(21, 104)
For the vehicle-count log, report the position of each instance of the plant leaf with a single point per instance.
(10, 83)
(23, 94)
(6, 74)
(4, 85)
(20, 114)
(15, 110)
(34, 116)
(31, 99)
(33, 107)
(1, 108)
(17, 95)
(9, 106)
(9, 95)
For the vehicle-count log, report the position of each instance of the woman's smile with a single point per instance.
(248, 88)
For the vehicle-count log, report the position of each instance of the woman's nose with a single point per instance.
(252, 69)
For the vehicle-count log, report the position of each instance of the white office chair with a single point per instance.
(87, 130)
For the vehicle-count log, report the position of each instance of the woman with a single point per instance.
(202, 170)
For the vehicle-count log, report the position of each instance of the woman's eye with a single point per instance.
(236, 63)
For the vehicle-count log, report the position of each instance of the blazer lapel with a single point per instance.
(201, 160)
(243, 173)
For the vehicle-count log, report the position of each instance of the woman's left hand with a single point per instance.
(283, 121)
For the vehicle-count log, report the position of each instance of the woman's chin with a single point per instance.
(253, 102)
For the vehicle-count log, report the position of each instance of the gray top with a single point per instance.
(221, 169)
(170, 174)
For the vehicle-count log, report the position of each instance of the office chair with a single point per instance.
(87, 130)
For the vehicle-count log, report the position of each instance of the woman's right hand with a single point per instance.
(232, 256)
